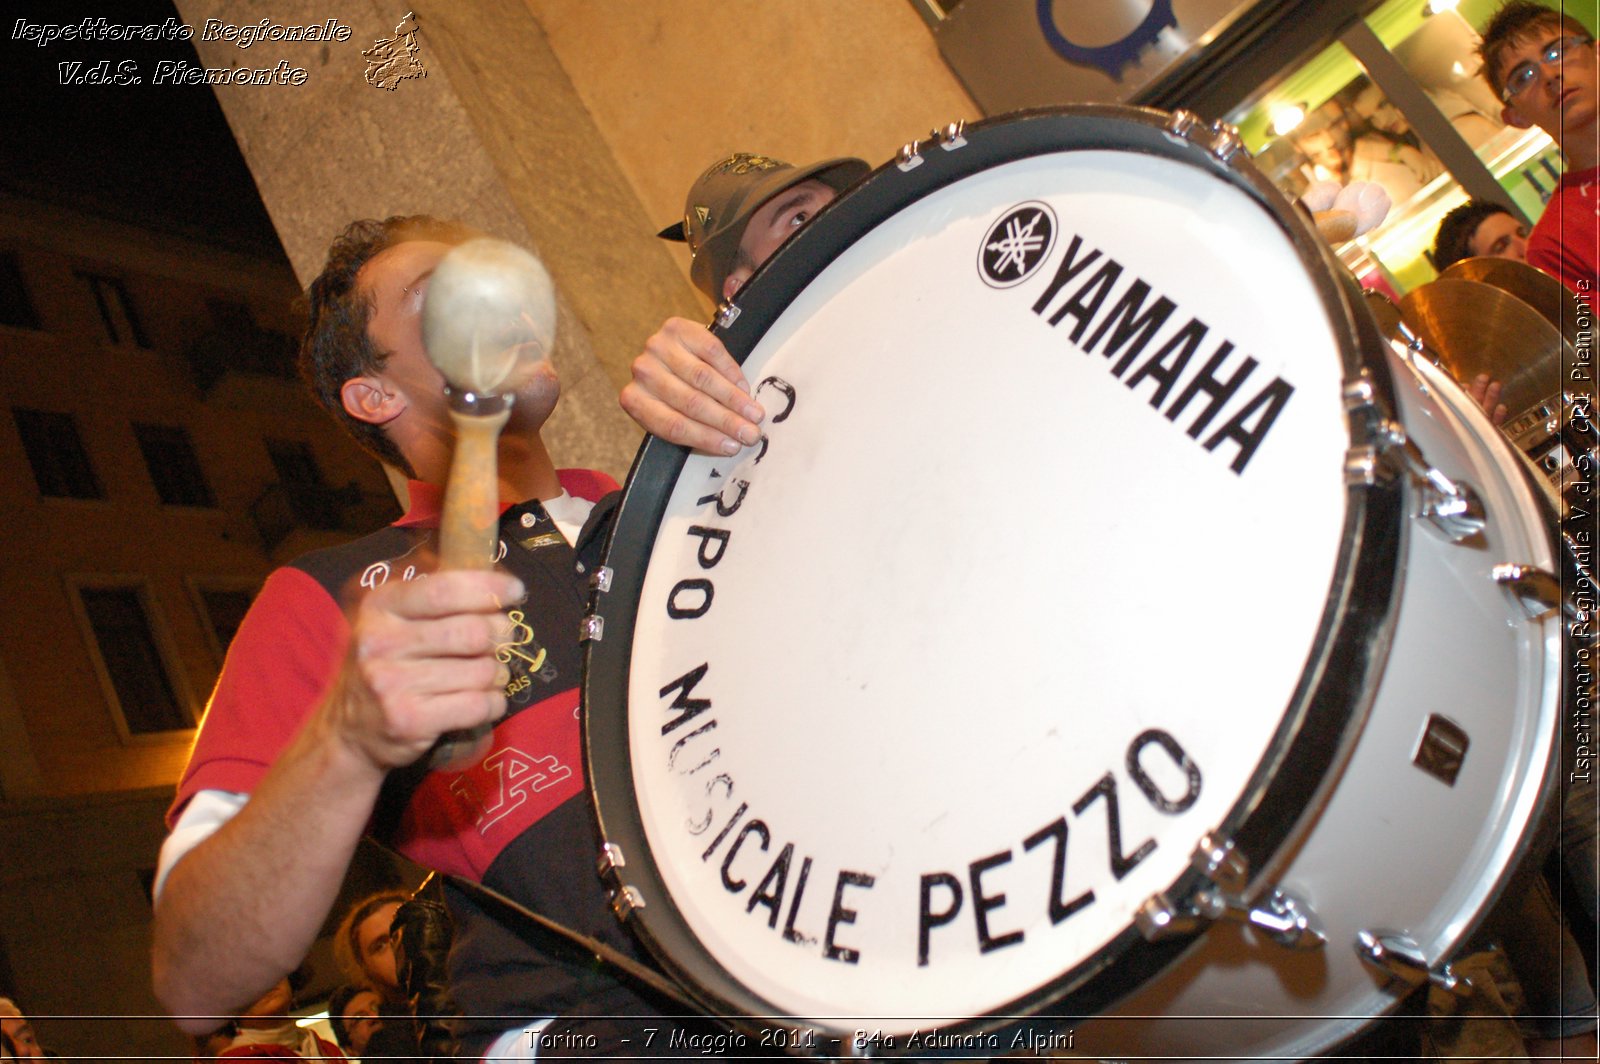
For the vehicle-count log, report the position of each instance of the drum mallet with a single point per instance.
(489, 318)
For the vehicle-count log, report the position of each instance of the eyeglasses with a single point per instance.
(1518, 81)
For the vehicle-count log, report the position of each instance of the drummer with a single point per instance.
(347, 669)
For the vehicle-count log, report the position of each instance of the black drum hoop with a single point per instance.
(1319, 728)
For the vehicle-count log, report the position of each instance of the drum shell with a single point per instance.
(1395, 848)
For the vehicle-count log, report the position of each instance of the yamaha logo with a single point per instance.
(1017, 244)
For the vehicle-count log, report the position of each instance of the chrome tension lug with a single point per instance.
(1534, 589)
(1216, 858)
(611, 859)
(1181, 123)
(1452, 507)
(1363, 467)
(950, 137)
(625, 901)
(1390, 436)
(1359, 395)
(909, 156)
(1279, 916)
(1226, 142)
(592, 628)
(600, 579)
(1159, 918)
(727, 314)
(1399, 957)
(1413, 341)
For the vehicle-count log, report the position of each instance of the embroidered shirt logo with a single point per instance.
(513, 777)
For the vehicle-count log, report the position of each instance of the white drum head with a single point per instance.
(931, 691)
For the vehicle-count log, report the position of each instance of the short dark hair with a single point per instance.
(1454, 239)
(338, 1001)
(336, 346)
(1517, 21)
(347, 948)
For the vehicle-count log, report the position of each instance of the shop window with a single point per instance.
(55, 451)
(1399, 99)
(174, 469)
(1358, 135)
(136, 673)
(16, 308)
(117, 310)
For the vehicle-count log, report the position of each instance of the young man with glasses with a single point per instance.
(1543, 65)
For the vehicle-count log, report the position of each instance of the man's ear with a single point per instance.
(734, 281)
(371, 399)
(1510, 117)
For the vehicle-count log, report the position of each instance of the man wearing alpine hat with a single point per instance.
(686, 387)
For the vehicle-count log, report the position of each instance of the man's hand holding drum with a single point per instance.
(687, 388)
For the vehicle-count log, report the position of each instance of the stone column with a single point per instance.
(494, 134)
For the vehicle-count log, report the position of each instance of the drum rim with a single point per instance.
(1317, 731)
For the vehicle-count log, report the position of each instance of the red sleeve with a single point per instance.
(1566, 241)
(588, 484)
(284, 656)
(1546, 253)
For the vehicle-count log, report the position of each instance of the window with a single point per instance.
(134, 667)
(117, 311)
(174, 469)
(224, 609)
(55, 451)
(15, 306)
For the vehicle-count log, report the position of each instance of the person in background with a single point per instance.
(266, 1029)
(738, 212)
(18, 1031)
(1479, 229)
(210, 1046)
(363, 946)
(353, 1013)
(1543, 65)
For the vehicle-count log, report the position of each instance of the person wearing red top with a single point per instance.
(1543, 65)
(266, 1029)
(350, 666)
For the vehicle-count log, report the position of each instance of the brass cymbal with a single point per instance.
(1552, 299)
(1475, 328)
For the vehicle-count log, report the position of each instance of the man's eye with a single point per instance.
(799, 218)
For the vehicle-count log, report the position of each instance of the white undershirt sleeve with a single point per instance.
(206, 812)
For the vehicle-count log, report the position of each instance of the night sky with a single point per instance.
(156, 155)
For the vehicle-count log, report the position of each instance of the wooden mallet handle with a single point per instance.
(488, 320)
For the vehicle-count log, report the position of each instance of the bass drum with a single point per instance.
(1108, 626)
